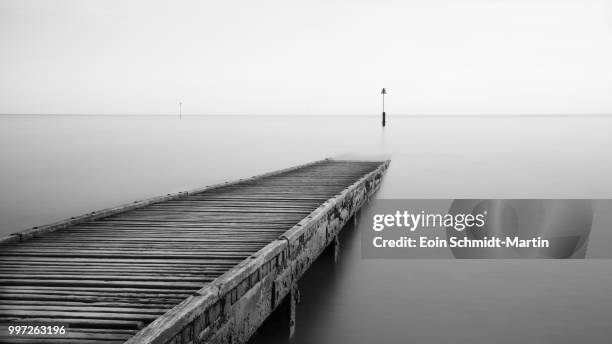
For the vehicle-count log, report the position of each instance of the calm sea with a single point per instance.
(55, 167)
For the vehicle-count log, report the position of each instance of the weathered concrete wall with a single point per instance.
(231, 308)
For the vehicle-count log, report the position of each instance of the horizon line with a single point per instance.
(306, 115)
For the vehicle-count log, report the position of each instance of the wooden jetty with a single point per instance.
(202, 266)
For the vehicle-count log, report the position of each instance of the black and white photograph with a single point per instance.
(305, 172)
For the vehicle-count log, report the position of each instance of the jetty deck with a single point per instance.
(206, 265)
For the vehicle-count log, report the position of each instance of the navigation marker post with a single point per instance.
(383, 92)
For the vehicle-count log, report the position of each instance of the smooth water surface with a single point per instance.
(55, 167)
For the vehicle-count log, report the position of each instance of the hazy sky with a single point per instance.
(319, 57)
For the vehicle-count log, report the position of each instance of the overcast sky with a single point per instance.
(306, 57)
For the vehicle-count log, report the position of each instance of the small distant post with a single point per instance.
(383, 92)
(180, 110)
